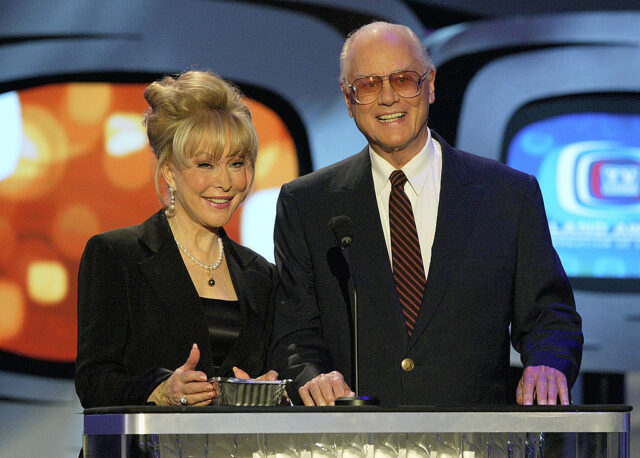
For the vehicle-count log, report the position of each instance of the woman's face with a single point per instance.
(209, 191)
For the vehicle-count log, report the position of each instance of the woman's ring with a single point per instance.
(183, 400)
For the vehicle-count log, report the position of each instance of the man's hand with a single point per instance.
(543, 383)
(324, 389)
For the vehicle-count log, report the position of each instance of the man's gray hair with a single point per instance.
(418, 45)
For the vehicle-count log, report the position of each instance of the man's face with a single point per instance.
(393, 125)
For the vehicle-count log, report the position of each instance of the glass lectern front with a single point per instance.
(366, 431)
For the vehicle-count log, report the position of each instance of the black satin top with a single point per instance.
(223, 320)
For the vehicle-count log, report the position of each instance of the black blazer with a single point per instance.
(493, 269)
(139, 314)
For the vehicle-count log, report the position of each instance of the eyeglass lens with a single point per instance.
(406, 84)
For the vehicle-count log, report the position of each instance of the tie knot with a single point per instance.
(398, 178)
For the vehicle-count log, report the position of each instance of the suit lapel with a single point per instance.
(251, 287)
(166, 273)
(377, 297)
(457, 209)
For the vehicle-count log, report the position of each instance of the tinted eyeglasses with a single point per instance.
(405, 83)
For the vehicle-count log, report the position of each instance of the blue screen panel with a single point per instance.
(588, 166)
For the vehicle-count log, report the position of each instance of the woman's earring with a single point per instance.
(171, 210)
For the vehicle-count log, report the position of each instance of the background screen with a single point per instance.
(76, 162)
(588, 166)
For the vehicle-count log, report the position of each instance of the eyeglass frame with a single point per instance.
(420, 83)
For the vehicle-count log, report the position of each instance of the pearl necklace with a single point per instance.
(208, 267)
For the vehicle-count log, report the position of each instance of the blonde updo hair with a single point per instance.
(197, 112)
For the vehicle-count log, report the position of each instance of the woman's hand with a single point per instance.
(186, 386)
(271, 375)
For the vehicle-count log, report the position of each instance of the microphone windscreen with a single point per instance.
(342, 229)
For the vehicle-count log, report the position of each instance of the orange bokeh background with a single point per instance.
(85, 167)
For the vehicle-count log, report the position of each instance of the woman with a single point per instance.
(165, 305)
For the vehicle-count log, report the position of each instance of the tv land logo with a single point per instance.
(615, 180)
(599, 179)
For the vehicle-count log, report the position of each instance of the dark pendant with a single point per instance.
(211, 282)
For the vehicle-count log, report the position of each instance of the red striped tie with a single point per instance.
(408, 269)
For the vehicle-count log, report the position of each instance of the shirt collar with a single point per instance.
(416, 170)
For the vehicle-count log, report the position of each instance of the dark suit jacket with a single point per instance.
(139, 314)
(492, 267)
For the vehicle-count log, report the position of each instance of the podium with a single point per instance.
(367, 431)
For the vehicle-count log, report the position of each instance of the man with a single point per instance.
(477, 227)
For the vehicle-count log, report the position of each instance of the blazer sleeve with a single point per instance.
(299, 350)
(546, 328)
(102, 378)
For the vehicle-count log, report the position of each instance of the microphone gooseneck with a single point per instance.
(342, 229)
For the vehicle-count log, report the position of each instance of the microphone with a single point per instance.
(342, 229)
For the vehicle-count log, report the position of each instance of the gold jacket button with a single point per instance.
(407, 364)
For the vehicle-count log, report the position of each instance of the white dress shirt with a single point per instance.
(424, 173)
